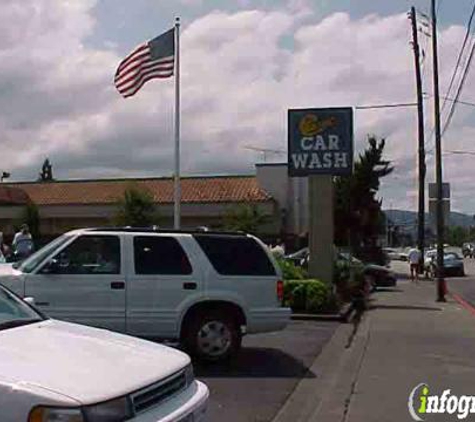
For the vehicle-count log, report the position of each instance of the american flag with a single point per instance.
(153, 59)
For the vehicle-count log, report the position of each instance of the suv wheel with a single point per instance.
(212, 336)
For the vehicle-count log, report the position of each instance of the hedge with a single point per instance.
(310, 296)
(290, 271)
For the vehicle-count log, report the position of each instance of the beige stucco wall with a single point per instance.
(60, 218)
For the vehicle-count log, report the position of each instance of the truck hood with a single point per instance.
(7, 269)
(86, 364)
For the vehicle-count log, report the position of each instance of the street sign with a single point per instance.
(433, 190)
(433, 211)
(320, 141)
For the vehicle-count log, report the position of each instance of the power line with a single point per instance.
(459, 152)
(453, 100)
(459, 59)
(459, 91)
(454, 74)
(378, 106)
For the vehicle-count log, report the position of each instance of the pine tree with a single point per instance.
(359, 219)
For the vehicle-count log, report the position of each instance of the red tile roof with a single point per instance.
(194, 190)
(13, 196)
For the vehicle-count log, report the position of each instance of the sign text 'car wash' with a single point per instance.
(320, 141)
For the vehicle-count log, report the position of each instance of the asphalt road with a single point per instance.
(256, 385)
(464, 286)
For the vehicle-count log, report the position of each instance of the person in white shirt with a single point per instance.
(414, 257)
(23, 242)
(2, 255)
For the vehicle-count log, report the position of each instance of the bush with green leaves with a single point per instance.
(136, 208)
(311, 296)
(348, 287)
(290, 271)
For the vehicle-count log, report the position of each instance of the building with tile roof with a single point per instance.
(65, 205)
(69, 204)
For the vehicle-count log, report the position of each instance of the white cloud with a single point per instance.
(239, 77)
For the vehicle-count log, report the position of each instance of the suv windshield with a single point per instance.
(34, 260)
(14, 312)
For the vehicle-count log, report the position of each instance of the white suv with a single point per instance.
(202, 288)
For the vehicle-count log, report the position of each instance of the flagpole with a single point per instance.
(177, 187)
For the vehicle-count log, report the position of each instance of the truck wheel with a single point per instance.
(212, 336)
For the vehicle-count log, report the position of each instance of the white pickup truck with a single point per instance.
(202, 288)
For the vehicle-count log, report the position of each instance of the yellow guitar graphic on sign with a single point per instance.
(311, 125)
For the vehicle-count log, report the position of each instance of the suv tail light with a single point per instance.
(280, 291)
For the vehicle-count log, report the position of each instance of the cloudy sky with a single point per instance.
(244, 63)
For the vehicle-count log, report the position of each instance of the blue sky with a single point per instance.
(127, 23)
(244, 63)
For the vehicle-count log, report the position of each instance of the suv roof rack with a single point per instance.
(156, 229)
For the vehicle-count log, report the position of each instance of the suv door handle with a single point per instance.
(117, 285)
(189, 286)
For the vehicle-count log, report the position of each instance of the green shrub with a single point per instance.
(317, 296)
(346, 288)
(290, 271)
(311, 296)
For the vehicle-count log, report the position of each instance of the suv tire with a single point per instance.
(212, 336)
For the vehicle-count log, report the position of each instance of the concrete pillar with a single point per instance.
(320, 192)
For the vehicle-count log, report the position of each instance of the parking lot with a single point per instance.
(258, 382)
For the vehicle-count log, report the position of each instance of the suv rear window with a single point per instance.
(160, 255)
(233, 255)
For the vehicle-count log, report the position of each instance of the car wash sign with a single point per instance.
(320, 141)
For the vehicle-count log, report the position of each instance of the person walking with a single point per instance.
(23, 242)
(2, 254)
(414, 257)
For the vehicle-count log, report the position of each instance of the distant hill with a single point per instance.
(407, 220)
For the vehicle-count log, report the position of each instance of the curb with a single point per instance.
(470, 308)
(346, 315)
(322, 397)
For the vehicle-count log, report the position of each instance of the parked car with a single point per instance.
(299, 258)
(468, 250)
(58, 371)
(376, 275)
(204, 289)
(395, 255)
(453, 264)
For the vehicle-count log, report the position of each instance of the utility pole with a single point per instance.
(422, 163)
(441, 289)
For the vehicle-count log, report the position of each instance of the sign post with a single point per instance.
(433, 199)
(320, 146)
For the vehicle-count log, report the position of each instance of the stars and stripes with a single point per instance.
(151, 60)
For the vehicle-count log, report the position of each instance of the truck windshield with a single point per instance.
(38, 257)
(14, 312)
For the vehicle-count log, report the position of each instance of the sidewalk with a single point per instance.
(405, 339)
(411, 339)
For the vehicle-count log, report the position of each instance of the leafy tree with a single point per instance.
(136, 208)
(358, 210)
(31, 217)
(456, 236)
(246, 218)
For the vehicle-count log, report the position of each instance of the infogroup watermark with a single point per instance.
(422, 403)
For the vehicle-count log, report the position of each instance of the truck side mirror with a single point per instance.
(51, 267)
(29, 300)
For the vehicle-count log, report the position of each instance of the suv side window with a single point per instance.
(160, 255)
(88, 255)
(235, 255)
